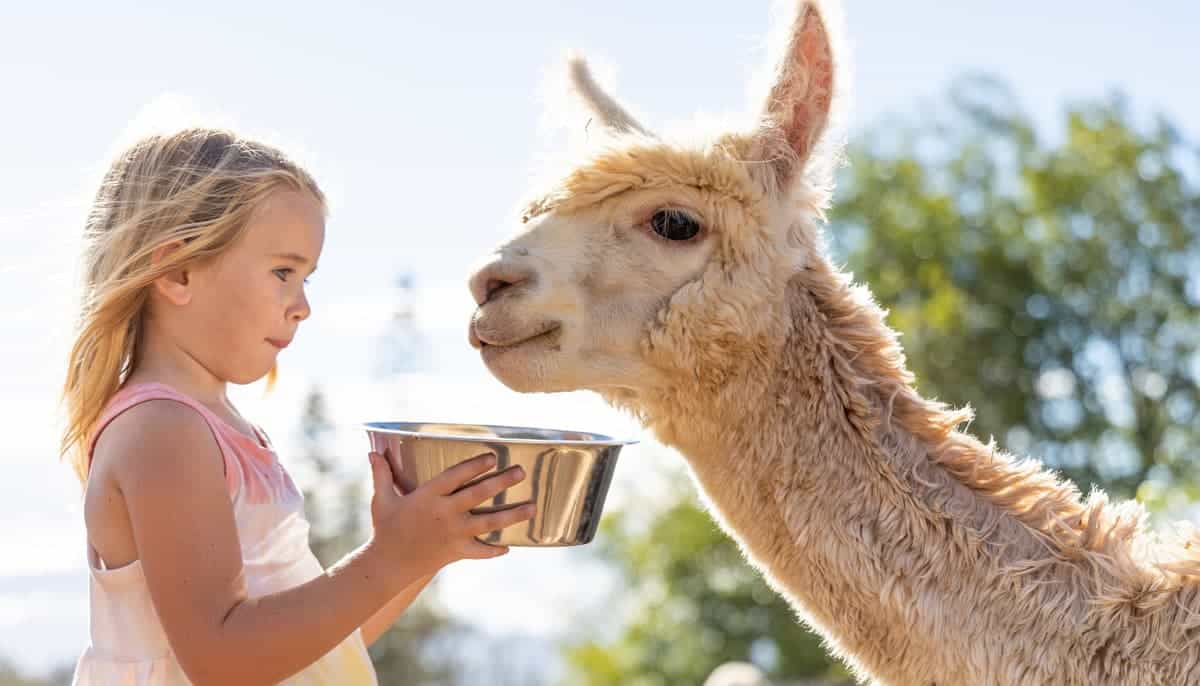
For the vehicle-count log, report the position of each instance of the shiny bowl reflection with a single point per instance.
(567, 473)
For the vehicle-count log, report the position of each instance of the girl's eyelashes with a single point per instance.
(283, 273)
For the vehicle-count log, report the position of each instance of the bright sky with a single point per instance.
(423, 121)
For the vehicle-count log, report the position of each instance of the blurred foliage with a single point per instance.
(697, 605)
(1051, 284)
(11, 676)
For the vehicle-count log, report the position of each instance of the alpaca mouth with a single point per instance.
(492, 343)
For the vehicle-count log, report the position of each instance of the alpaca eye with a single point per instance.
(674, 225)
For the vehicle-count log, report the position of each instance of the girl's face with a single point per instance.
(247, 304)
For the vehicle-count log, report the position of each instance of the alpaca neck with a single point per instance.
(923, 555)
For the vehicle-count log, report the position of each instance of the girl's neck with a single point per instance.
(207, 395)
(160, 360)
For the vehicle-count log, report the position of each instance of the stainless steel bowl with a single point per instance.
(567, 473)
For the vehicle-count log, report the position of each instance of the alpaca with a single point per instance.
(688, 283)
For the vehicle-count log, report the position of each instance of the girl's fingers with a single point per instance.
(478, 550)
(405, 484)
(391, 463)
(450, 480)
(381, 476)
(494, 521)
(487, 488)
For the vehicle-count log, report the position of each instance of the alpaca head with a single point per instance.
(653, 259)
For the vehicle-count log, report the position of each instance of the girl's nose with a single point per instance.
(300, 310)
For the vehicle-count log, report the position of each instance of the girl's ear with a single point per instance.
(802, 88)
(174, 285)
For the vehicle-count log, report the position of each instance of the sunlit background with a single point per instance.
(424, 123)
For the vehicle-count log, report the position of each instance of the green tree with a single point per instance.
(697, 605)
(1051, 284)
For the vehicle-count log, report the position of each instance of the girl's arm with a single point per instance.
(387, 615)
(169, 471)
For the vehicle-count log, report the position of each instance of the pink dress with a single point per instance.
(128, 646)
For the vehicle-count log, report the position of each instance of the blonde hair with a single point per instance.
(197, 187)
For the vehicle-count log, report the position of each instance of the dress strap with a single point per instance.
(131, 396)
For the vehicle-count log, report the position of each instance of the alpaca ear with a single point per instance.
(603, 108)
(798, 104)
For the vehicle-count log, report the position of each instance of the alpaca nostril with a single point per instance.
(494, 286)
(490, 281)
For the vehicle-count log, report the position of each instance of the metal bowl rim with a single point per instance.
(380, 427)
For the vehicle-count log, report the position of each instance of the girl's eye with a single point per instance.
(283, 271)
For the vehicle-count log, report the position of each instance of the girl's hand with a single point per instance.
(432, 526)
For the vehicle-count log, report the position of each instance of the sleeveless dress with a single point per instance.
(128, 646)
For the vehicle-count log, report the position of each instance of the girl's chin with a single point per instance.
(247, 378)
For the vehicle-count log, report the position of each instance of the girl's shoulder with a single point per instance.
(151, 428)
(149, 460)
(157, 435)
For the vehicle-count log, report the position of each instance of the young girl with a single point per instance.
(198, 246)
